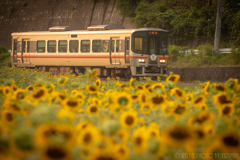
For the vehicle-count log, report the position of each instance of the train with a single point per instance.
(111, 49)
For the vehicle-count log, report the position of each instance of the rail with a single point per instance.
(221, 50)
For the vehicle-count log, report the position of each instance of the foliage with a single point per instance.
(3, 50)
(10, 9)
(235, 53)
(186, 20)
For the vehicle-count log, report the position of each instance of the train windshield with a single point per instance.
(150, 42)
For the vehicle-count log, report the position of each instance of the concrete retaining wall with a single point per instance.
(207, 73)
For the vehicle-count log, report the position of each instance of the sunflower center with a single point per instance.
(105, 158)
(200, 134)
(220, 88)
(93, 109)
(7, 91)
(122, 151)
(72, 103)
(138, 140)
(9, 117)
(15, 107)
(87, 138)
(56, 153)
(62, 97)
(123, 101)
(172, 78)
(223, 99)
(134, 96)
(39, 94)
(179, 134)
(231, 141)
(129, 120)
(179, 110)
(198, 100)
(201, 119)
(139, 87)
(91, 88)
(143, 98)
(157, 87)
(157, 100)
(179, 93)
(226, 110)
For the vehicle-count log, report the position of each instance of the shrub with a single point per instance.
(173, 52)
(205, 49)
(3, 50)
(235, 53)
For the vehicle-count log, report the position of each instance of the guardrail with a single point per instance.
(221, 50)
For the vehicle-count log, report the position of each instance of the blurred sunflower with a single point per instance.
(72, 104)
(205, 87)
(93, 74)
(92, 89)
(123, 135)
(139, 87)
(142, 97)
(174, 78)
(39, 94)
(98, 82)
(83, 125)
(227, 110)
(107, 154)
(134, 97)
(129, 119)
(55, 152)
(93, 109)
(232, 83)
(122, 150)
(199, 101)
(228, 142)
(158, 99)
(123, 100)
(158, 86)
(6, 90)
(202, 118)
(8, 117)
(20, 94)
(178, 110)
(12, 104)
(146, 108)
(221, 99)
(219, 87)
(178, 93)
(62, 80)
(89, 137)
(178, 136)
(140, 139)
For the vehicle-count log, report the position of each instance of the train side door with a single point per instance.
(25, 56)
(126, 54)
(114, 54)
(15, 51)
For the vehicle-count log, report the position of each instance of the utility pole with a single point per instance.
(218, 27)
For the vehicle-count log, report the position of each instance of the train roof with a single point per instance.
(115, 31)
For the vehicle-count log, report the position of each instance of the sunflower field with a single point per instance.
(80, 117)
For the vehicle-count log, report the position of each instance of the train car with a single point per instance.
(109, 48)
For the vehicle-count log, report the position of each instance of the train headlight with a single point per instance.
(141, 60)
(162, 61)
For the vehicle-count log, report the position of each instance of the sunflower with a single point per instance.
(178, 136)
(221, 99)
(189, 96)
(65, 113)
(158, 99)
(83, 125)
(199, 101)
(174, 78)
(122, 150)
(146, 108)
(72, 104)
(6, 90)
(13, 86)
(12, 104)
(93, 74)
(232, 83)
(139, 87)
(178, 110)
(93, 109)
(8, 117)
(123, 100)
(219, 87)
(107, 154)
(227, 110)
(77, 94)
(158, 86)
(153, 130)
(202, 118)
(134, 97)
(123, 135)
(178, 93)
(39, 94)
(92, 89)
(55, 152)
(205, 87)
(30, 88)
(88, 137)
(98, 82)
(46, 133)
(200, 134)
(129, 119)
(229, 142)
(142, 97)
(140, 139)
(62, 80)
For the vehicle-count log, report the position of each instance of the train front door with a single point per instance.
(25, 55)
(114, 52)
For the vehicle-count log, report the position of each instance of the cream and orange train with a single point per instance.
(110, 48)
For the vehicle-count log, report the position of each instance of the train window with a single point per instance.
(52, 46)
(138, 44)
(96, 45)
(117, 45)
(62, 46)
(28, 46)
(40, 46)
(112, 46)
(15, 45)
(73, 46)
(85, 46)
(23, 46)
